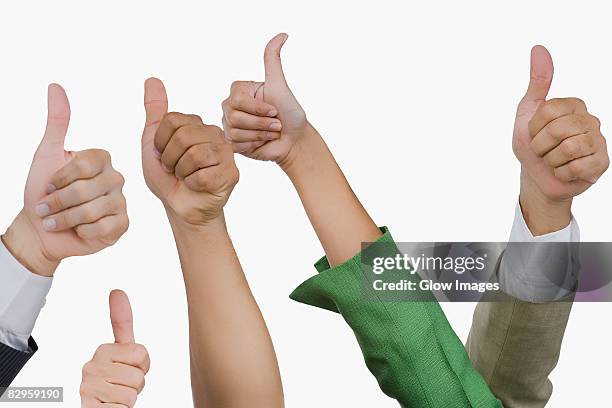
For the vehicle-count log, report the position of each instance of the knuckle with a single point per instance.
(260, 109)
(195, 118)
(235, 175)
(233, 134)
(236, 85)
(124, 224)
(173, 118)
(575, 121)
(84, 390)
(577, 102)
(213, 133)
(236, 99)
(119, 179)
(232, 117)
(181, 136)
(101, 350)
(141, 382)
(548, 108)
(574, 168)
(87, 213)
(82, 166)
(569, 148)
(556, 131)
(104, 155)
(78, 192)
(88, 369)
(595, 122)
(606, 164)
(107, 228)
(194, 153)
(57, 201)
(140, 353)
(131, 395)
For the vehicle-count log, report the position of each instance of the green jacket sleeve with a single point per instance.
(409, 346)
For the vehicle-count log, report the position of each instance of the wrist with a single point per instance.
(184, 228)
(21, 240)
(542, 214)
(303, 153)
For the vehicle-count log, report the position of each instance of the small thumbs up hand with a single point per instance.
(264, 120)
(116, 374)
(559, 143)
(73, 201)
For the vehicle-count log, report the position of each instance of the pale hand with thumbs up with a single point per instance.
(73, 203)
(264, 120)
(559, 143)
(116, 374)
(188, 165)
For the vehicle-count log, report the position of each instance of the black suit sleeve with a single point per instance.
(12, 361)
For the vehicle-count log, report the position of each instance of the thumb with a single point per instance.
(156, 106)
(541, 74)
(58, 116)
(272, 59)
(121, 316)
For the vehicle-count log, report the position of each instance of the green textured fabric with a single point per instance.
(409, 346)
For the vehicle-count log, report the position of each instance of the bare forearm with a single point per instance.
(339, 219)
(232, 357)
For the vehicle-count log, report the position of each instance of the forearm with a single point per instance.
(339, 219)
(232, 357)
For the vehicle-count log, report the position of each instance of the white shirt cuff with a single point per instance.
(22, 296)
(520, 231)
(539, 272)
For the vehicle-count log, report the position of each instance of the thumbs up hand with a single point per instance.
(264, 120)
(116, 373)
(559, 143)
(73, 203)
(188, 165)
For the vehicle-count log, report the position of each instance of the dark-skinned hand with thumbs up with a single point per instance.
(190, 167)
(116, 373)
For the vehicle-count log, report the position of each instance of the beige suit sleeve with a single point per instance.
(515, 345)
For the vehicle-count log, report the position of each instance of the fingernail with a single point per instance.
(49, 224)
(42, 210)
(156, 153)
(50, 188)
(275, 126)
(272, 113)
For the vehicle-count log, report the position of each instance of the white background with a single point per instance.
(416, 101)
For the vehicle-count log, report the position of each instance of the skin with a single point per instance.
(560, 147)
(190, 167)
(338, 218)
(551, 172)
(73, 201)
(115, 375)
(558, 143)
